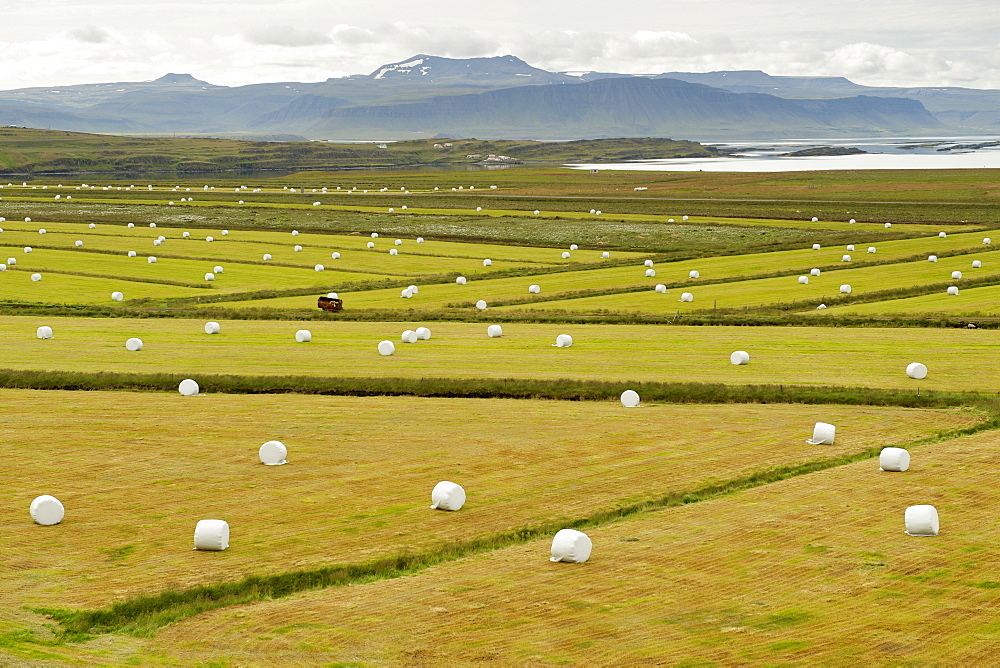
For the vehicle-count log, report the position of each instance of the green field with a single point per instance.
(721, 536)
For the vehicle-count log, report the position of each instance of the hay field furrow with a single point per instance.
(815, 569)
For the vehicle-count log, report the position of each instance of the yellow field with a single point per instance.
(815, 569)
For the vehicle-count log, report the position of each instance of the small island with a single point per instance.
(824, 150)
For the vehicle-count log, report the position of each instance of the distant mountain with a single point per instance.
(505, 97)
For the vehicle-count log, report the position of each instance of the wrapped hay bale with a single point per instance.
(46, 510)
(694, 273)
(814, 272)
(218, 269)
(420, 240)
(414, 289)
(333, 295)
(487, 263)
(117, 296)
(573, 247)
(225, 233)
(563, 341)
(823, 434)
(370, 244)
(888, 225)
(273, 453)
(319, 267)
(650, 273)
(852, 221)
(386, 348)
(845, 258)
(942, 234)
(976, 264)
(36, 277)
(648, 263)
(534, 289)
(423, 333)
(461, 280)
(447, 495)
(821, 306)
(151, 260)
(932, 258)
(297, 248)
(267, 256)
(92, 226)
(804, 280)
(816, 246)
(41, 230)
(374, 235)
(11, 261)
(953, 290)
(815, 219)
(845, 289)
(572, 546)
(335, 256)
(850, 247)
(630, 399)
(209, 276)
(916, 370)
(134, 344)
(44, 332)
(393, 251)
(661, 288)
(212, 327)
(871, 249)
(494, 331)
(398, 242)
(987, 241)
(27, 249)
(686, 297)
(209, 239)
(211, 535)
(605, 255)
(406, 293)
(78, 243)
(565, 255)
(186, 235)
(295, 233)
(3, 267)
(409, 336)
(739, 358)
(188, 387)
(481, 305)
(921, 520)
(130, 254)
(303, 336)
(894, 459)
(957, 275)
(157, 242)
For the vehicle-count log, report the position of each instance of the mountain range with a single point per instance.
(505, 97)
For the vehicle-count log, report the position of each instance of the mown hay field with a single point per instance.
(958, 359)
(816, 569)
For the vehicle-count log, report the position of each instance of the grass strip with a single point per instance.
(143, 615)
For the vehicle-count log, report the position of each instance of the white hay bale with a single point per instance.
(218, 269)
(188, 387)
(987, 241)
(814, 272)
(956, 275)
(393, 251)
(894, 459)
(845, 258)
(536, 212)
(850, 247)
(942, 234)
(152, 224)
(648, 263)
(27, 249)
(409, 336)
(151, 260)
(414, 289)
(374, 235)
(650, 273)
(332, 295)
(821, 306)
(694, 273)
(36, 277)
(335, 256)
(225, 233)
(816, 246)
(447, 496)
(871, 249)
(297, 248)
(565, 255)
(461, 280)
(605, 255)
(27, 220)
(12, 260)
(46, 510)
(211, 535)
(212, 327)
(406, 293)
(921, 520)
(815, 219)
(423, 334)
(209, 276)
(563, 341)
(481, 305)
(823, 434)
(44, 332)
(134, 344)
(932, 258)
(598, 212)
(916, 370)
(739, 358)
(686, 297)
(420, 240)
(78, 243)
(186, 235)
(487, 263)
(661, 288)
(398, 242)
(295, 233)
(977, 264)
(888, 225)
(117, 296)
(852, 221)
(845, 289)
(630, 399)
(573, 247)
(534, 289)
(273, 453)
(386, 348)
(157, 242)
(3, 267)
(370, 244)
(804, 280)
(41, 230)
(572, 546)
(209, 239)
(303, 336)
(92, 226)
(494, 331)
(267, 256)
(319, 267)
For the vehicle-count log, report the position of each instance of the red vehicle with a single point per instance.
(330, 304)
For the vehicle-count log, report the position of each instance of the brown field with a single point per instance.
(815, 569)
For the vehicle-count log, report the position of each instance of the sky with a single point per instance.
(53, 43)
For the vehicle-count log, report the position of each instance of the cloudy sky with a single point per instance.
(875, 42)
